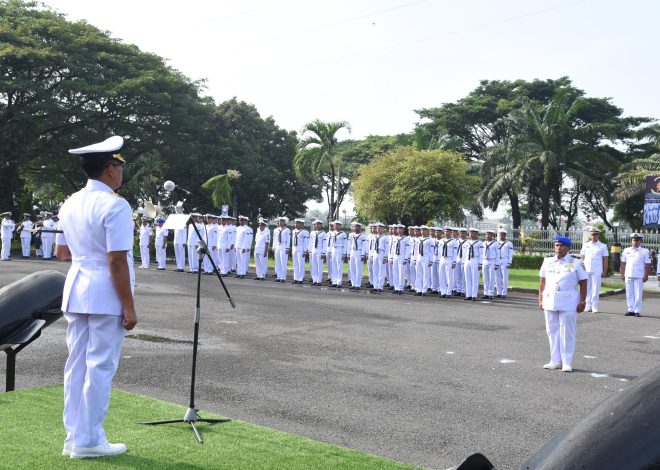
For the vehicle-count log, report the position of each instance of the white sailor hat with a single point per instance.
(424, 227)
(446, 227)
(636, 236)
(490, 230)
(262, 221)
(462, 229)
(106, 149)
(379, 224)
(207, 215)
(433, 228)
(196, 214)
(283, 218)
(242, 217)
(6, 213)
(337, 222)
(301, 221)
(356, 224)
(472, 229)
(594, 230)
(501, 230)
(317, 221)
(27, 213)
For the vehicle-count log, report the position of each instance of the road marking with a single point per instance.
(590, 357)
(451, 352)
(506, 361)
(228, 321)
(652, 337)
(599, 375)
(623, 380)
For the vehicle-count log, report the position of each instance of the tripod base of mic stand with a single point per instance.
(190, 417)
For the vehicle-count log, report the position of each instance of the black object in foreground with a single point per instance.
(27, 306)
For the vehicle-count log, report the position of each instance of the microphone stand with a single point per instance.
(192, 416)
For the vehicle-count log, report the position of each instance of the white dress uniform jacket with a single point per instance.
(504, 261)
(26, 237)
(357, 252)
(8, 227)
(378, 250)
(447, 249)
(244, 237)
(472, 258)
(261, 244)
(317, 250)
(337, 245)
(593, 254)
(281, 245)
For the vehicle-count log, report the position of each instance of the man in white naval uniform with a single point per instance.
(411, 267)
(635, 269)
(339, 246)
(472, 257)
(7, 234)
(561, 275)
(489, 264)
(224, 245)
(145, 240)
(459, 271)
(98, 296)
(26, 235)
(231, 229)
(447, 249)
(261, 244)
(160, 242)
(357, 254)
(281, 247)
(330, 251)
(379, 252)
(180, 237)
(370, 266)
(193, 239)
(244, 237)
(400, 251)
(425, 257)
(48, 236)
(595, 257)
(504, 261)
(318, 244)
(392, 230)
(211, 244)
(299, 249)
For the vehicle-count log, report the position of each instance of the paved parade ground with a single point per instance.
(421, 380)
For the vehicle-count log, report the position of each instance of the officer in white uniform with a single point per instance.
(447, 249)
(224, 245)
(330, 251)
(211, 244)
(160, 242)
(370, 268)
(180, 237)
(281, 247)
(145, 240)
(459, 271)
(244, 237)
(8, 227)
(48, 236)
(318, 244)
(378, 251)
(357, 255)
(635, 269)
(472, 259)
(561, 275)
(411, 267)
(504, 261)
(193, 239)
(231, 229)
(595, 256)
(261, 244)
(98, 296)
(400, 251)
(489, 264)
(26, 235)
(338, 243)
(425, 257)
(299, 249)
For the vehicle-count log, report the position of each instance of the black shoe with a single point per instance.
(373, 291)
(629, 314)
(473, 299)
(276, 280)
(338, 286)
(498, 296)
(390, 288)
(637, 314)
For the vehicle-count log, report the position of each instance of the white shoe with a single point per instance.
(101, 450)
(595, 310)
(66, 450)
(552, 365)
(566, 368)
(587, 308)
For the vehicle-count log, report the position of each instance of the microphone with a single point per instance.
(170, 186)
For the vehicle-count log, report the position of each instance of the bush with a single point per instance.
(527, 261)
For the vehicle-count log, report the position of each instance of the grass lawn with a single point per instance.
(529, 279)
(32, 438)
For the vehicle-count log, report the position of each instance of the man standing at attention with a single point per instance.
(595, 256)
(160, 241)
(635, 269)
(98, 296)
(145, 239)
(281, 247)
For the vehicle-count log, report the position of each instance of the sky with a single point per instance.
(373, 62)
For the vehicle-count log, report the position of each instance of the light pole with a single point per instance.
(344, 212)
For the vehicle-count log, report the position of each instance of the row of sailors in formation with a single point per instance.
(41, 234)
(446, 261)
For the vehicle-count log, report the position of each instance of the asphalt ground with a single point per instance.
(422, 380)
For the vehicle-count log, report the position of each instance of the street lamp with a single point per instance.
(344, 212)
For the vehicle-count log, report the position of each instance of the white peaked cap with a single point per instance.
(111, 144)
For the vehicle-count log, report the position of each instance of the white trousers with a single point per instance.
(144, 255)
(206, 262)
(502, 280)
(411, 271)
(445, 276)
(634, 291)
(330, 262)
(489, 278)
(298, 258)
(5, 253)
(435, 276)
(242, 262)
(232, 260)
(316, 266)
(94, 343)
(25, 246)
(398, 273)
(261, 264)
(161, 256)
(593, 289)
(180, 255)
(459, 278)
(356, 267)
(388, 271)
(338, 269)
(561, 327)
(379, 271)
(471, 269)
(281, 260)
(422, 275)
(47, 246)
(370, 269)
(193, 258)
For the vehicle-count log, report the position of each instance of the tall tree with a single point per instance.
(317, 161)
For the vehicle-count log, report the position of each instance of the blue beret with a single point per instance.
(563, 240)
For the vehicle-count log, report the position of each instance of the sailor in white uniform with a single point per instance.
(559, 297)
(378, 251)
(261, 244)
(425, 257)
(244, 237)
(504, 261)
(370, 267)
(447, 249)
(48, 236)
(145, 240)
(459, 271)
(26, 235)
(7, 234)
(472, 259)
(299, 250)
(635, 269)
(595, 257)
(180, 237)
(211, 244)
(489, 263)
(160, 241)
(318, 244)
(357, 254)
(400, 251)
(98, 296)
(281, 248)
(193, 239)
(338, 243)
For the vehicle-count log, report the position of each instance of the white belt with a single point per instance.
(90, 261)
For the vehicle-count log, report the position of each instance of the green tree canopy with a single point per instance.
(414, 186)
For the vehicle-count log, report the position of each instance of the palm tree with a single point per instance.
(220, 187)
(316, 159)
(632, 175)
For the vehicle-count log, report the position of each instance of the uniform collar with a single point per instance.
(96, 185)
(564, 259)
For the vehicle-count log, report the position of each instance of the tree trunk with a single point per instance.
(515, 209)
(545, 194)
